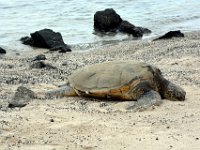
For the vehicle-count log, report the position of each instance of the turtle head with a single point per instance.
(173, 92)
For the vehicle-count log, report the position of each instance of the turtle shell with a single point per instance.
(114, 79)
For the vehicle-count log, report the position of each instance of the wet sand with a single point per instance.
(81, 123)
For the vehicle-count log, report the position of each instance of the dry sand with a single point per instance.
(80, 123)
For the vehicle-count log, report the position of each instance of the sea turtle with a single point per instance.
(121, 80)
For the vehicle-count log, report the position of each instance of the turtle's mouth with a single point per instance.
(180, 96)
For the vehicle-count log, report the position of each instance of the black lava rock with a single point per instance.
(127, 27)
(38, 65)
(109, 21)
(60, 49)
(39, 57)
(22, 97)
(2, 51)
(27, 41)
(170, 35)
(106, 21)
(41, 64)
(46, 38)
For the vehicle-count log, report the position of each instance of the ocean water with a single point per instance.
(74, 19)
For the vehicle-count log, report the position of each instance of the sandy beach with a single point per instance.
(89, 124)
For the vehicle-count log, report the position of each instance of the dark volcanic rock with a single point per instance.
(171, 34)
(127, 27)
(38, 65)
(46, 38)
(39, 57)
(22, 97)
(2, 51)
(109, 21)
(27, 40)
(61, 49)
(41, 64)
(106, 21)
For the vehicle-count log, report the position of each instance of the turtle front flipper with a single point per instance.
(63, 91)
(148, 99)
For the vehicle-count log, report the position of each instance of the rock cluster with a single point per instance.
(109, 21)
(106, 21)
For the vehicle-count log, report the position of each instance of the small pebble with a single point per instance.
(103, 104)
(51, 120)
(157, 138)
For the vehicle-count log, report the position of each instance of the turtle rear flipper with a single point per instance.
(151, 98)
(61, 92)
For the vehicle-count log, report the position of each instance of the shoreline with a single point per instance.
(80, 123)
(84, 47)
